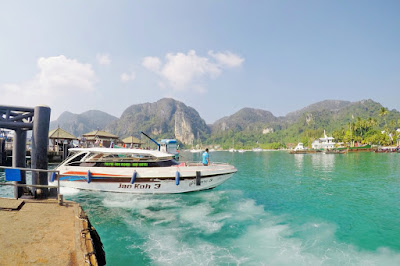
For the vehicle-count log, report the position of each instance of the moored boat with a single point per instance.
(299, 149)
(335, 151)
(137, 171)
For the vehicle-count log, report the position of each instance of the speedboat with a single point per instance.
(137, 171)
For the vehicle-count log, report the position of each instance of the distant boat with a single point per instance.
(257, 149)
(335, 151)
(232, 150)
(299, 147)
(241, 151)
(196, 150)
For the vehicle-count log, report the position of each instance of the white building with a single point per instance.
(299, 147)
(323, 143)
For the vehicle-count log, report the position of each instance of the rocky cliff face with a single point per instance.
(166, 118)
(183, 128)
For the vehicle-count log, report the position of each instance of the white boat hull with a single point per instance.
(147, 180)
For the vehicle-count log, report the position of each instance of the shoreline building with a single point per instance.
(58, 137)
(325, 143)
(99, 138)
(132, 142)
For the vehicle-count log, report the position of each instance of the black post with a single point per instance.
(40, 143)
(3, 155)
(198, 178)
(65, 151)
(19, 158)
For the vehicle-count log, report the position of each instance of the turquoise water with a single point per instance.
(278, 209)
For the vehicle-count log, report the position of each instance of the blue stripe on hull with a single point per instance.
(78, 178)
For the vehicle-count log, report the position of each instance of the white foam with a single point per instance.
(247, 209)
(215, 230)
(200, 217)
(69, 191)
(169, 249)
(164, 216)
(274, 244)
(138, 202)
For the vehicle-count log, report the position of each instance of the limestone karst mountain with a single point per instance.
(166, 118)
(78, 124)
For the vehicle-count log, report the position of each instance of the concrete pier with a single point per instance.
(43, 232)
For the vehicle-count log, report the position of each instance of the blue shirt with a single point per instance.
(205, 156)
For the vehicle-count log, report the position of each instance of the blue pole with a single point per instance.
(177, 178)
(133, 179)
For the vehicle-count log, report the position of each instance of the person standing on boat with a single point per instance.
(206, 160)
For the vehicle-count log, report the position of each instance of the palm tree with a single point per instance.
(361, 126)
(392, 126)
(372, 122)
(384, 112)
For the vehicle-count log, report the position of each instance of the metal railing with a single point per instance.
(16, 184)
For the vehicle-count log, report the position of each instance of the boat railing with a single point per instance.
(17, 171)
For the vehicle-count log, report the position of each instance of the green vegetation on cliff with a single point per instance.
(348, 122)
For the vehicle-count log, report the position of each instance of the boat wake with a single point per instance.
(223, 227)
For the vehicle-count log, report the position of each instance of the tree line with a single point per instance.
(376, 130)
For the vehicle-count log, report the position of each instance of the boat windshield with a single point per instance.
(119, 160)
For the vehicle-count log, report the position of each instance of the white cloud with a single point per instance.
(125, 77)
(60, 83)
(59, 72)
(228, 59)
(152, 63)
(185, 71)
(103, 59)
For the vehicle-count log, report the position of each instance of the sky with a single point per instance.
(215, 56)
